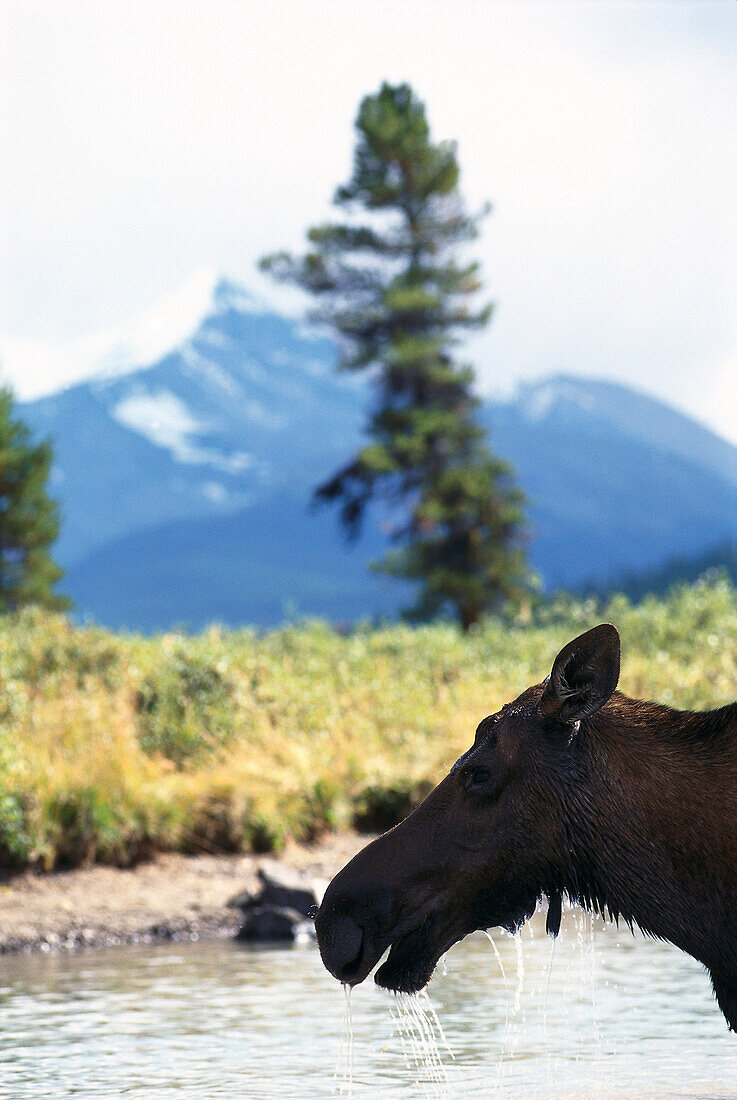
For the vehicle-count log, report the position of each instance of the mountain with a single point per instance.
(246, 408)
(617, 481)
(185, 479)
(260, 565)
(679, 570)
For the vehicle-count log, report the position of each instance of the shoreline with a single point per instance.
(172, 897)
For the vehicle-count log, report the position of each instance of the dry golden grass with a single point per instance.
(114, 746)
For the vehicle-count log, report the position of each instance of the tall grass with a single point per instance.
(114, 746)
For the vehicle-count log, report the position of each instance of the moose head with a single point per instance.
(571, 789)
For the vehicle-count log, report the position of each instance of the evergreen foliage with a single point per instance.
(29, 520)
(716, 561)
(390, 284)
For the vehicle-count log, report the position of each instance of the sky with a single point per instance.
(146, 141)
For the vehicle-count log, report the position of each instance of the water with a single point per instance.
(423, 1042)
(623, 1017)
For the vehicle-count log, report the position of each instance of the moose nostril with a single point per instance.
(350, 967)
(341, 947)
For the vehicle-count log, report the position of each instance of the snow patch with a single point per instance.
(214, 374)
(214, 338)
(538, 401)
(165, 421)
(227, 499)
(162, 418)
(229, 295)
(196, 363)
(215, 492)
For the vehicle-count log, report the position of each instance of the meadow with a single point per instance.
(115, 746)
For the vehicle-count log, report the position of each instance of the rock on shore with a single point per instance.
(283, 907)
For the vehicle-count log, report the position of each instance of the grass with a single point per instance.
(115, 746)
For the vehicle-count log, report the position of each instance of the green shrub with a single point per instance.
(41, 649)
(380, 807)
(15, 841)
(185, 709)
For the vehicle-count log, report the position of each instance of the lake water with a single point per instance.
(600, 1014)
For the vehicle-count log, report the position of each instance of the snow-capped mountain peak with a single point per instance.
(538, 400)
(38, 368)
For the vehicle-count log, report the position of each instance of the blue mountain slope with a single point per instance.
(626, 413)
(262, 565)
(247, 408)
(184, 485)
(603, 500)
(108, 479)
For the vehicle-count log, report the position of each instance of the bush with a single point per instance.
(382, 807)
(15, 840)
(185, 708)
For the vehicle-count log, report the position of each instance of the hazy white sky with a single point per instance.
(144, 140)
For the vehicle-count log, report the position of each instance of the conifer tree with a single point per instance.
(29, 521)
(391, 285)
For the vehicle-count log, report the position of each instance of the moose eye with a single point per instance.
(478, 775)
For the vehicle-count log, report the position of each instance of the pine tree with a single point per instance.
(29, 521)
(392, 288)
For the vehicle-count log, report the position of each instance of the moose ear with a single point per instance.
(584, 675)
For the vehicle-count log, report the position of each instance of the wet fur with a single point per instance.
(650, 815)
(628, 808)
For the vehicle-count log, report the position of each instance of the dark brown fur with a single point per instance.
(627, 807)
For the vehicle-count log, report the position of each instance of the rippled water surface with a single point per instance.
(606, 1014)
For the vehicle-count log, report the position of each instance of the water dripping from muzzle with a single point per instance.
(545, 1004)
(490, 938)
(513, 1016)
(343, 1075)
(418, 1028)
(520, 972)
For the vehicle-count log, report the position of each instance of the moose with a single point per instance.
(626, 807)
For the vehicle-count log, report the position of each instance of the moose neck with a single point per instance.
(649, 809)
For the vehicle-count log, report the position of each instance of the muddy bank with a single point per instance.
(173, 897)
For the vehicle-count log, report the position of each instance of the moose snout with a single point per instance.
(340, 939)
(355, 914)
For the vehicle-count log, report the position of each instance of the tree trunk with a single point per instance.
(469, 615)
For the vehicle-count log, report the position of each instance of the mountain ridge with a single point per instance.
(37, 367)
(197, 469)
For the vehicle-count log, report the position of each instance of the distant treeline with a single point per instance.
(676, 570)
